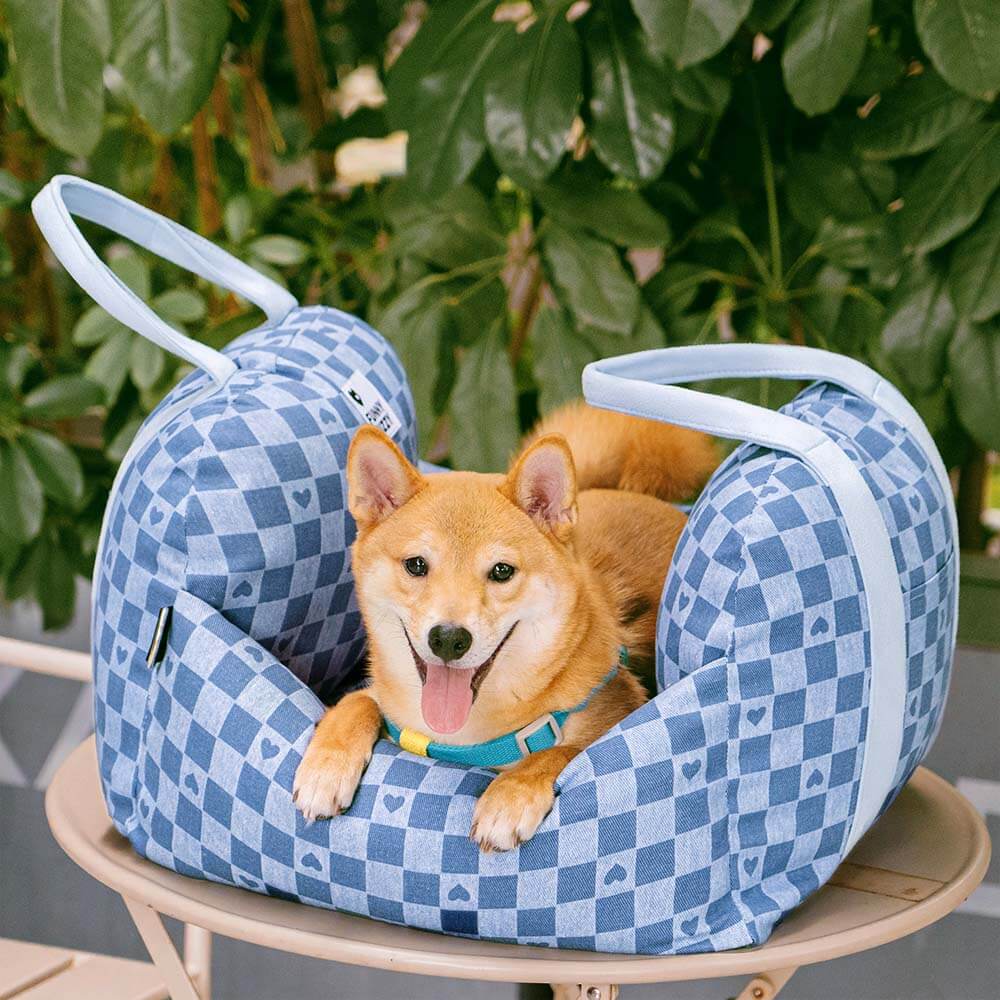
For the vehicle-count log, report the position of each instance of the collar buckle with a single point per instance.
(542, 722)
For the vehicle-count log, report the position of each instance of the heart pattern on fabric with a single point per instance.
(891, 426)
(122, 653)
(326, 416)
(768, 490)
(255, 653)
(392, 802)
(144, 807)
(683, 602)
(168, 666)
(246, 880)
(750, 865)
(459, 894)
(814, 779)
(689, 926)
(820, 627)
(616, 873)
(754, 715)
(191, 783)
(268, 749)
(915, 502)
(691, 768)
(155, 515)
(311, 861)
(243, 589)
(302, 497)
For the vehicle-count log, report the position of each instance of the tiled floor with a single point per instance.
(44, 897)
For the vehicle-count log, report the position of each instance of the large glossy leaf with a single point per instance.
(168, 53)
(57, 467)
(61, 398)
(591, 280)
(458, 228)
(146, 362)
(914, 117)
(975, 268)
(766, 15)
(919, 324)
(94, 326)
(617, 214)
(531, 96)
(62, 46)
(690, 31)
(559, 356)
(55, 586)
(823, 49)
(484, 424)
(446, 131)
(706, 87)
(631, 105)
(974, 363)
(21, 501)
(949, 191)
(821, 185)
(962, 37)
(108, 366)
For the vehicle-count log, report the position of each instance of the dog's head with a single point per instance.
(465, 581)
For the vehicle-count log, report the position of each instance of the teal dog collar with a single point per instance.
(541, 734)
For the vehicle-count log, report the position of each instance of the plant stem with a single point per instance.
(206, 178)
(773, 226)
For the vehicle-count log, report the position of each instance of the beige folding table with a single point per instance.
(920, 861)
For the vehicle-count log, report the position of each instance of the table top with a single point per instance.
(919, 862)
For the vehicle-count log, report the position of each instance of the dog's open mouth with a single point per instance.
(448, 692)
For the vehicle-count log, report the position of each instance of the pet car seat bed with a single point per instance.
(804, 642)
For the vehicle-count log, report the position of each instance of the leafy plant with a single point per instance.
(583, 179)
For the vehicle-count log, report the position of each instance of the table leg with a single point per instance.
(584, 991)
(198, 959)
(767, 985)
(162, 951)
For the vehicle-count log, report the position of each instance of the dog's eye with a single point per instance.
(501, 572)
(415, 566)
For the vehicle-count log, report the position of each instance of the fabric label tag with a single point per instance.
(371, 403)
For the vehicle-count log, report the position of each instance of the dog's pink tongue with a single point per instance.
(446, 699)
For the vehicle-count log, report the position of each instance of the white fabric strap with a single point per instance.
(65, 196)
(642, 385)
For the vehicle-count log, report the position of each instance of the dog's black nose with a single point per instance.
(450, 642)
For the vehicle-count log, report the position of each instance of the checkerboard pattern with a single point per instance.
(237, 495)
(693, 825)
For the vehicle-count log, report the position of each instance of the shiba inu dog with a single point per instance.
(498, 607)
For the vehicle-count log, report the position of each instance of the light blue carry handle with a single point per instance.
(65, 196)
(643, 385)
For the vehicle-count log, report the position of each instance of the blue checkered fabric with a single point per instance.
(237, 496)
(693, 825)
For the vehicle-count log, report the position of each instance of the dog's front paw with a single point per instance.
(327, 778)
(510, 810)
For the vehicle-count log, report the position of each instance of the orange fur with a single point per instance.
(589, 569)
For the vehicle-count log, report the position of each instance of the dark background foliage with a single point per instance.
(584, 179)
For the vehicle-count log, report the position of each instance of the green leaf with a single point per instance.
(919, 325)
(689, 31)
(146, 362)
(823, 49)
(57, 467)
(116, 450)
(866, 243)
(531, 96)
(62, 46)
(133, 269)
(706, 87)
(446, 29)
(237, 217)
(975, 268)
(618, 214)
(61, 398)
(484, 424)
(881, 68)
(950, 190)
(446, 132)
(109, 364)
(13, 190)
(16, 360)
(559, 354)
(94, 326)
(766, 15)
(458, 228)
(168, 53)
(631, 105)
(974, 364)
(365, 123)
(914, 117)
(180, 305)
(962, 37)
(282, 251)
(592, 280)
(56, 584)
(822, 186)
(21, 501)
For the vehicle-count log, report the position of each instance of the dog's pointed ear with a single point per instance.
(380, 479)
(542, 482)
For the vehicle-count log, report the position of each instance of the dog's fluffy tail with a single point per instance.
(616, 451)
